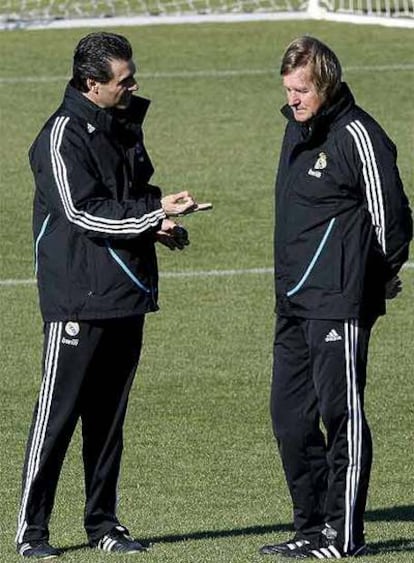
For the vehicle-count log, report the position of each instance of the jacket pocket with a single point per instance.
(122, 264)
(323, 270)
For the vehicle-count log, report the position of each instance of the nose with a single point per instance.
(293, 98)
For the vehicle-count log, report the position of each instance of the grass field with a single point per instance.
(200, 477)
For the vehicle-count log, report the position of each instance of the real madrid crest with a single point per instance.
(72, 328)
(321, 162)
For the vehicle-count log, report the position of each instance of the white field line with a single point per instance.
(213, 73)
(185, 274)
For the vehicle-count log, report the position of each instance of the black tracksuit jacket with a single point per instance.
(343, 223)
(95, 213)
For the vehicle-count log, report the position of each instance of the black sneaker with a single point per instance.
(39, 548)
(283, 547)
(118, 540)
(328, 548)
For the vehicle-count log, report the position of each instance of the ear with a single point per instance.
(92, 85)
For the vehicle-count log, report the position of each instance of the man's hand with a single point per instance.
(172, 235)
(393, 287)
(177, 204)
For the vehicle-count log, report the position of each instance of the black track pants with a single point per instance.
(319, 374)
(88, 370)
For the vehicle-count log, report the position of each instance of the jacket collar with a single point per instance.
(328, 116)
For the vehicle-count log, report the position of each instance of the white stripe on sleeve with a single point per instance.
(79, 217)
(373, 188)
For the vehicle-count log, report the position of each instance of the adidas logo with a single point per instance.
(332, 336)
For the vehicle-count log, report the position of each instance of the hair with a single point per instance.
(93, 55)
(325, 68)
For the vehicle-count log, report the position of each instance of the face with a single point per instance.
(118, 91)
(301, 93)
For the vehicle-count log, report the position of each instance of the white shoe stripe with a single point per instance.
(336, 553)
(111, 545)
(107, 543)
(291, 545)
(317, 554)
(24, 548)
(125, 544)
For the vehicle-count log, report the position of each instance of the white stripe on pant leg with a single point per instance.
(37, 430)
(354, 415)
(348, 477)
(357, 417)
(358, 442)
(41, 421)
(45, 399)
(42, 403)
(354, 428)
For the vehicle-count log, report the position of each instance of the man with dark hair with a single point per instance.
(343, 228)
(93, 56)
(96, 220)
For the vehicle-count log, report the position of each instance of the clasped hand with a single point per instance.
(172, 235)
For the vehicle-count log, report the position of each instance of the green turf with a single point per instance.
(200, 477)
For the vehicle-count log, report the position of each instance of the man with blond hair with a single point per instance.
(343, 227)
